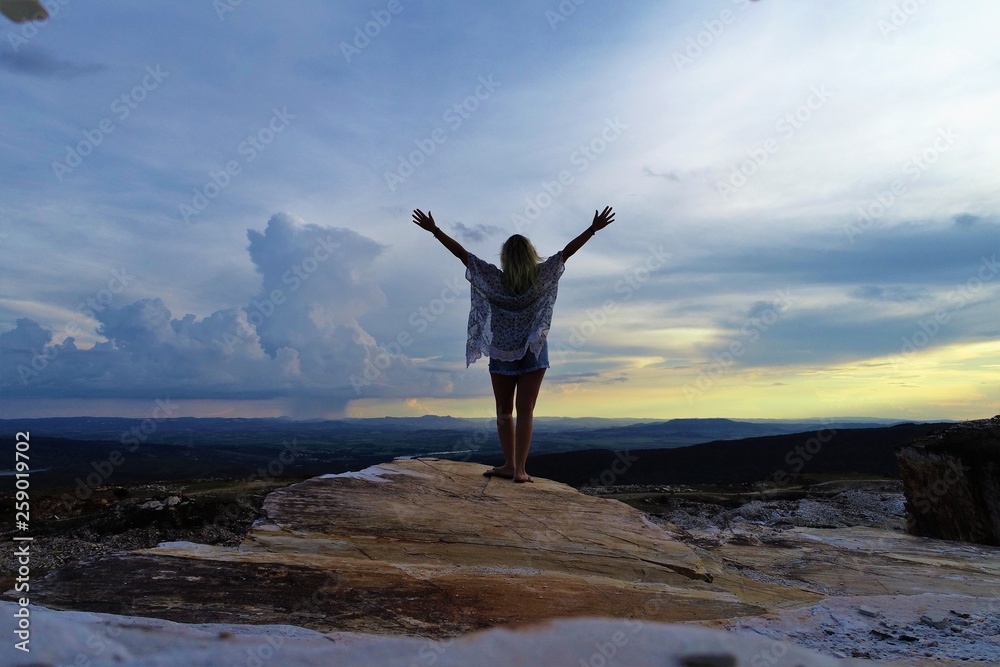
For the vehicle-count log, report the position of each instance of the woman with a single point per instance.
(509, 322)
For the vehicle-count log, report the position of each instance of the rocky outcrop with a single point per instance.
(431, 548)
(422, 546)
(952, 483)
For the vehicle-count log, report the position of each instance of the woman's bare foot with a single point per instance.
(500, 471)
(522, 477)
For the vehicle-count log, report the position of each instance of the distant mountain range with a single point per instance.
(86, 451)
(192, 430)
(775, 460)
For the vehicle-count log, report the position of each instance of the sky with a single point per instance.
(205, 207)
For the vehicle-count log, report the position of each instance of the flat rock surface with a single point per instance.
(422, 547)
(890, 596)
(104, 640)
(855, 561)
(904, 629)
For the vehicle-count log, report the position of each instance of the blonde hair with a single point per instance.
(519, 262)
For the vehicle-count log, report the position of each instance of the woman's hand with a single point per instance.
(603, 219)
(427, 222)
(424, 221)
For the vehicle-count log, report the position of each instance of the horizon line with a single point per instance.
(537, 417)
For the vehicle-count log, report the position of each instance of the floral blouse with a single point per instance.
(504, 325)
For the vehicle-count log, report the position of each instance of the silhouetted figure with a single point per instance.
(509, 322)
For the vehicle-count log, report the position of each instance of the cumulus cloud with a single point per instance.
(315, 281)
(26, 336)
(298, 338)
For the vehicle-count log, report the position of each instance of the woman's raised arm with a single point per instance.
(601, 220)
(426, 221)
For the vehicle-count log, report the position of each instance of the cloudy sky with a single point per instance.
(209, 202)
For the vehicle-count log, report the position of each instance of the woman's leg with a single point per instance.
(528, 385)
(503, 392)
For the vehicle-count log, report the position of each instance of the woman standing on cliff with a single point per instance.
(509, 322)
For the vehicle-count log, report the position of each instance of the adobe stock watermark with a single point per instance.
(562, 12)
(958, 298)
(274, 470)
(913, 169)
(453, 117)
(925, 499)
(131, 440)
(430, 652)
(635, 625)
(28, 30)
(419, 320)
(247, 151)
(225, 7)
(712, 30)
(606, 653)
(294, 277)
(484, 433)
(784, 129)
(89, 307)
(899, 16)
(797, 457)
(620, 464)
(318, 605)
(364, 34)
(104, 638)
(581, 158)
(122, 107)
(760, 320)
(597, 318)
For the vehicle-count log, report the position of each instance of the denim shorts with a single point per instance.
(529, 362)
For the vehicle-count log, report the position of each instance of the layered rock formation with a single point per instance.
(952, 483)
(431, 548)
(426, 547)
